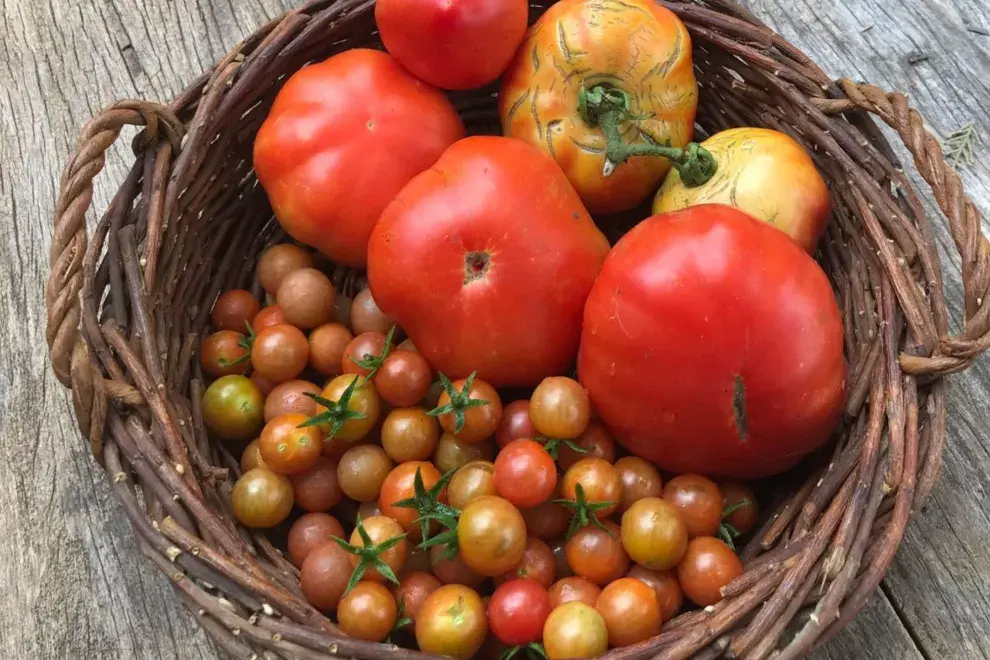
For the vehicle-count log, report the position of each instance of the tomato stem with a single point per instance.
(585, 512)
(552, 446)
(427, 504)
(369, 555)
(607, 107)
(459, 401)
(373, 363)
(245, 342)
(337, 413)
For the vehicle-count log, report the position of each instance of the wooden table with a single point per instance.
(72, 582)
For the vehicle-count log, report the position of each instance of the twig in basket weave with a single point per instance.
(958, 147)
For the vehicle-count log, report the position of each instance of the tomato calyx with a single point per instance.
(337, 413)
(552, 446)
(607, 107)
(726, 531)
(584, 512)
(245, 342)
(459, 401)
(373, 363)
(427, 504)
(533, 651)
(369, 555)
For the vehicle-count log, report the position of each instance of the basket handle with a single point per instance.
(71, 361)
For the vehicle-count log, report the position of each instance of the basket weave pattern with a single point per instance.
(127, 308)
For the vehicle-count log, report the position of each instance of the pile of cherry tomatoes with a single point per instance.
(434, 513)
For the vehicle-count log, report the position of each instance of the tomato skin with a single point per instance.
(342, 138)
(525, 474)
(367, 612)
(639, 479)
(267, 317)
(278, 261)
(630, 610)
(574, 588)
(441, 42)
(452, 622)
(287, 449)
(507, 254)
(537, 563)
(219, 352)
(290, 397)
(324, 575)
(309, 532)
(404, 379)
(233, 309)
(233, 407)
(560, 408)
(664, 585)
(412, 591)
(596, 443)
(452, 453)
(756, 344)
(280, 352)
(453, 571)
(654, 534)
(491, 534)
(708, 565)
(480, 422)
(515, 424)
(575, 630)
(597, 554)
(400, 485)
(698, 500)
(317, 489)
(471, 481)
(517, 611)
(261, 498)
(599, 480)
(547, 521)
(745, 517)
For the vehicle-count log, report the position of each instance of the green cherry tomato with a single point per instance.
(233, 408)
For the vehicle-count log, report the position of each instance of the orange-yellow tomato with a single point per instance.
(765, 173)
(637, 46)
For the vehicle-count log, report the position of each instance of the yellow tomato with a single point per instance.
(637, 52)
(763, 172)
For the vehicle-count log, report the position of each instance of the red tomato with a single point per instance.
(517, 611)
(525, 474)
(750, 347)
(504, 254)
(342, 138)
(515, 424)
(454, 44)
(708, 565)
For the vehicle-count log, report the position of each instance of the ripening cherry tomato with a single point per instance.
(309, 532)
(221, 354)
(708, 565)
(290, 397)
(381, 529)
(547, 521)
(491, 534)
(267, 317)
(452, 453)
(517, 611)
(411, 592)
(232, 408)
(599, 480)
(367, 612)
(664, 585)
(280, 352)
(234, 309)
(317, 488)
(288, 449)
(597, 554)
(364, 401)
(264, 385)
(481, 421)
(576, 588)
(537, 563)
(638, 478)
(324, 575)
(404, 378)
(261, 498)
(361, 472)
(306, 297)
(471, 481)
(596, 443)
(409, 434)
(278, 261)
(630, 610)
(453, 571)
(746, 516)
(326, 348)
(654, 534)
(251, 458)
(452, 622)
(560, 408)
(364, 345)
(575, 630)
(698, 500)
(366, 315)
(515, 424)
(399, 485)
(525, 474)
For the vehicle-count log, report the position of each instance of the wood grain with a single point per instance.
(72, 580)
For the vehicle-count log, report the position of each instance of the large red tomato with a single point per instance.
(485, 260)
(712, 343)
(342, 138)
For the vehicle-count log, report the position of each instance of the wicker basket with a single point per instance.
(126, 309)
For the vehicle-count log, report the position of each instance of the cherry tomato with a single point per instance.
(324, 575)
(458, 45)
(453, 571)
(517, 611)
(342, 310)
(547, 521)
(452, 453)
(309, 532)
(708, 565)
(261, 498)
(317, 488)
(597, 554)
(664, 585)
(278, 261)
(306, 297)
(515, 424)
(290, 397)
(368, 510)
(326, 348)
(525, 474)
(599, 480)
(537, 563)
(399, 485)
(419, 560)
(559, 549)
(744, 518)
(630, 610)
(280, 352)
(596, 443)
(264, 385)
(361, 471)
(699, 502)
(233, 310)
(364, 401)
(367, 317)
(574, 588)
(560, 408)
(491, 535)
(267, 317)
(404, 378)
(471, 481)
(251, 458)
(452, 622)
(288, 449)
(367, 612)
(575, 630)
(654, 534)
(481, 421)
(638, 478)
(411, 593)
(409, 434)
(367, 344)
(221, 354)
(232, 408)
(381, 529)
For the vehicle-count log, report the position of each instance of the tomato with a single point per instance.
(596, 443)
(537, 563)
(452, 453)
(366, 315)
(471, 481)
(452, 622)
(599, 480)
(665, 586)
(264, 385)
(233, 310)
(232, 408)
(407, 345)
(324, 575)
(363, 402)
(317, 489)
(280, 352)
(404, 379)
(597, 554)
(306, 297)
(491, 535)
(400, 485)
(751, 348)
(575, 630)
(222, 354)
(638, 478)
(478, 422)
(638, 50)
(560, 408)
(517, 611)
(559, 549)
(630, 610)
(515, 424)
(278, 261)
(361, 472)
(409, 434)
(699, 502)
(419, 560)
(309, 532)
(342, 138)
(288, 449)
(750, 162)
(290, 397)
(326, 348)
(367, 510)
(746, 509)
(573, 588)
(453, 571)
(411, 592)
(267, 317)
(654, 534)
(367, 612)
(504, 254)
(381, 529)
(251, 458)
(366, 344)
(708, 565)
(261, 498)
(548, 520)
(525, 474)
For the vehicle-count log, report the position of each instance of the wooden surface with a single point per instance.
(72, 582)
